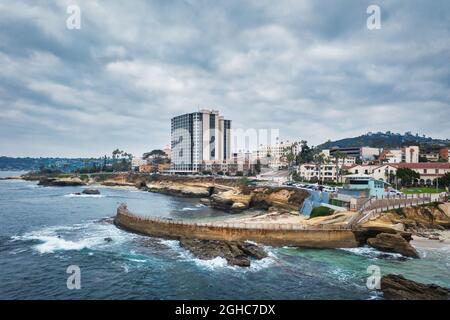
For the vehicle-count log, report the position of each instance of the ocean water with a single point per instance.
(43, 230)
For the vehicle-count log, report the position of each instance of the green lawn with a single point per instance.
(421, 190)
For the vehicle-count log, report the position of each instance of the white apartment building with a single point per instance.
(406, 155)
(309, 171)
(274, 154)
(347, 161)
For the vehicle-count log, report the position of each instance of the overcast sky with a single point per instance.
(309, 68)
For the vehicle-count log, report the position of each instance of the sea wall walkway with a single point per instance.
(287, 234)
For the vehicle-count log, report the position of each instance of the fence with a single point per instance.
(375, 206)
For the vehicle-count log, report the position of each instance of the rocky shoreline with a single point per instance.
(230, 195)
(390, 233)
(397, 287)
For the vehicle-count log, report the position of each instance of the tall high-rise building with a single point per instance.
(199, 137)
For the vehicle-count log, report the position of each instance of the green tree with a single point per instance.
(319, 160)
(444, 181)
(407, 176)
(306, 153)
(258, 166)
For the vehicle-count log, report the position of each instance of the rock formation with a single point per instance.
(91, 191)
(393, 243)
(419, 218)
(61, 182)
(179, 189)
(236, 253)
(396, 287)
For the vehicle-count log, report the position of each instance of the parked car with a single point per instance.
(329, 189)
(395, 192)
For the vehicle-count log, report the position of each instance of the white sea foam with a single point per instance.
(74, 195)
(372, 253)
(172, 244)
(211, 264)
(138, 260)
(188, 209)
(75, 237)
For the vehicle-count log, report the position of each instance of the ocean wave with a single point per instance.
(373, 253)
(75, 237)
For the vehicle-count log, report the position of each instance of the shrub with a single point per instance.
(321, 212)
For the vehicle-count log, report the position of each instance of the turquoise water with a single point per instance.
(46, 229)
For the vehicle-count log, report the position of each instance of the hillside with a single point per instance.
(384, 140)
(63, 164)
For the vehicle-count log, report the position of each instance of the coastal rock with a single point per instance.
(236, 253)
(108, 220)
(393, 243)
(238, 206)
(231, 200)
(91, 191)
(396, 287)
(372, 229)
(61, 182)
(289, 199)
(117, 183)
(178, 189)
(429, 216)
(252, 250)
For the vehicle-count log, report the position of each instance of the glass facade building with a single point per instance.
(197, 137)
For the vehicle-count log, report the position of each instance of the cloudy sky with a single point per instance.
(309, 68)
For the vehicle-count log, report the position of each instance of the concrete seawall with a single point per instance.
(277, 235)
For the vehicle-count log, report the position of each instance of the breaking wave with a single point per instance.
(369, 252)
(75, 237)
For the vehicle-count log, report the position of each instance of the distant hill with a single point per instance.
(385, 140)
(30, 164)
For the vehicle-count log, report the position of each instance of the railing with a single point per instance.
(375, 207)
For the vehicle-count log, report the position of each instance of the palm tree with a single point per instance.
(319, 159)
(339, 155)
(290, 157)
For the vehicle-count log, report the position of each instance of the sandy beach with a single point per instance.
(425, 243)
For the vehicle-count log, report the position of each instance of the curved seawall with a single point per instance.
(270, 234)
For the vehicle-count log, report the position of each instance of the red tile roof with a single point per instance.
(423, 165)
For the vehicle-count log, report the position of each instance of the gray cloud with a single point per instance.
(309, 68)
